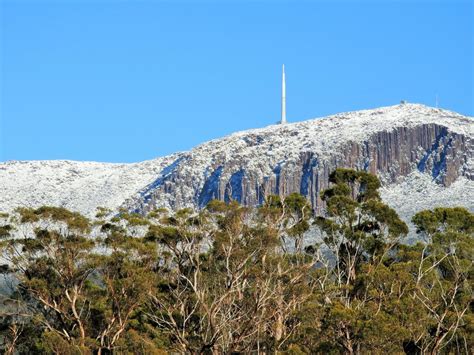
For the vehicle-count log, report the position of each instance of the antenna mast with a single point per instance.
(283, 97)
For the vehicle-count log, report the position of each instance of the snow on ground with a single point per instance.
(418, 191)
(78, 186)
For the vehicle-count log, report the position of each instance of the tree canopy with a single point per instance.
(233, 279)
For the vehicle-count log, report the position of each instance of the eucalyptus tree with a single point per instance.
(445, 279)
(360, 231)
(224, 284)
(73, 298)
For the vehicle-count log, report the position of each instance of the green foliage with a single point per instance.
(73, 220)
(444, 220)
(5, 231)
(234, 279)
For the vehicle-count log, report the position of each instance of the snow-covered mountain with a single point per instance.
(423, 155)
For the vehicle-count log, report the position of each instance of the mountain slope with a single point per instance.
(79, 186)
(414, 149)
(392, 142)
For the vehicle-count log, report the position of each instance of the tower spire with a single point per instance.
(283, 97)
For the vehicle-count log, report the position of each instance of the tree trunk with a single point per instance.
(279, 311)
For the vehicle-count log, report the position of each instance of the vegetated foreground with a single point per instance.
(231, 279)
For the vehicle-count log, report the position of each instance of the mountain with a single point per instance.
(423, 156)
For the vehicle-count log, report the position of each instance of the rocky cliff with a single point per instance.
(392, 142)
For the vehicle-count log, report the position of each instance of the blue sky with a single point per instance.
(125, 81)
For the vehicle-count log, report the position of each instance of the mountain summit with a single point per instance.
(423, 156)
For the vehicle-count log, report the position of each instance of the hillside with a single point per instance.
(79, 186)
(423, 155)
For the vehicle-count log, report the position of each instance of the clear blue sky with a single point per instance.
(126, 81)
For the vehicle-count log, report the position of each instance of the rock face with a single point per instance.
(392, 142)
(423, 156)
